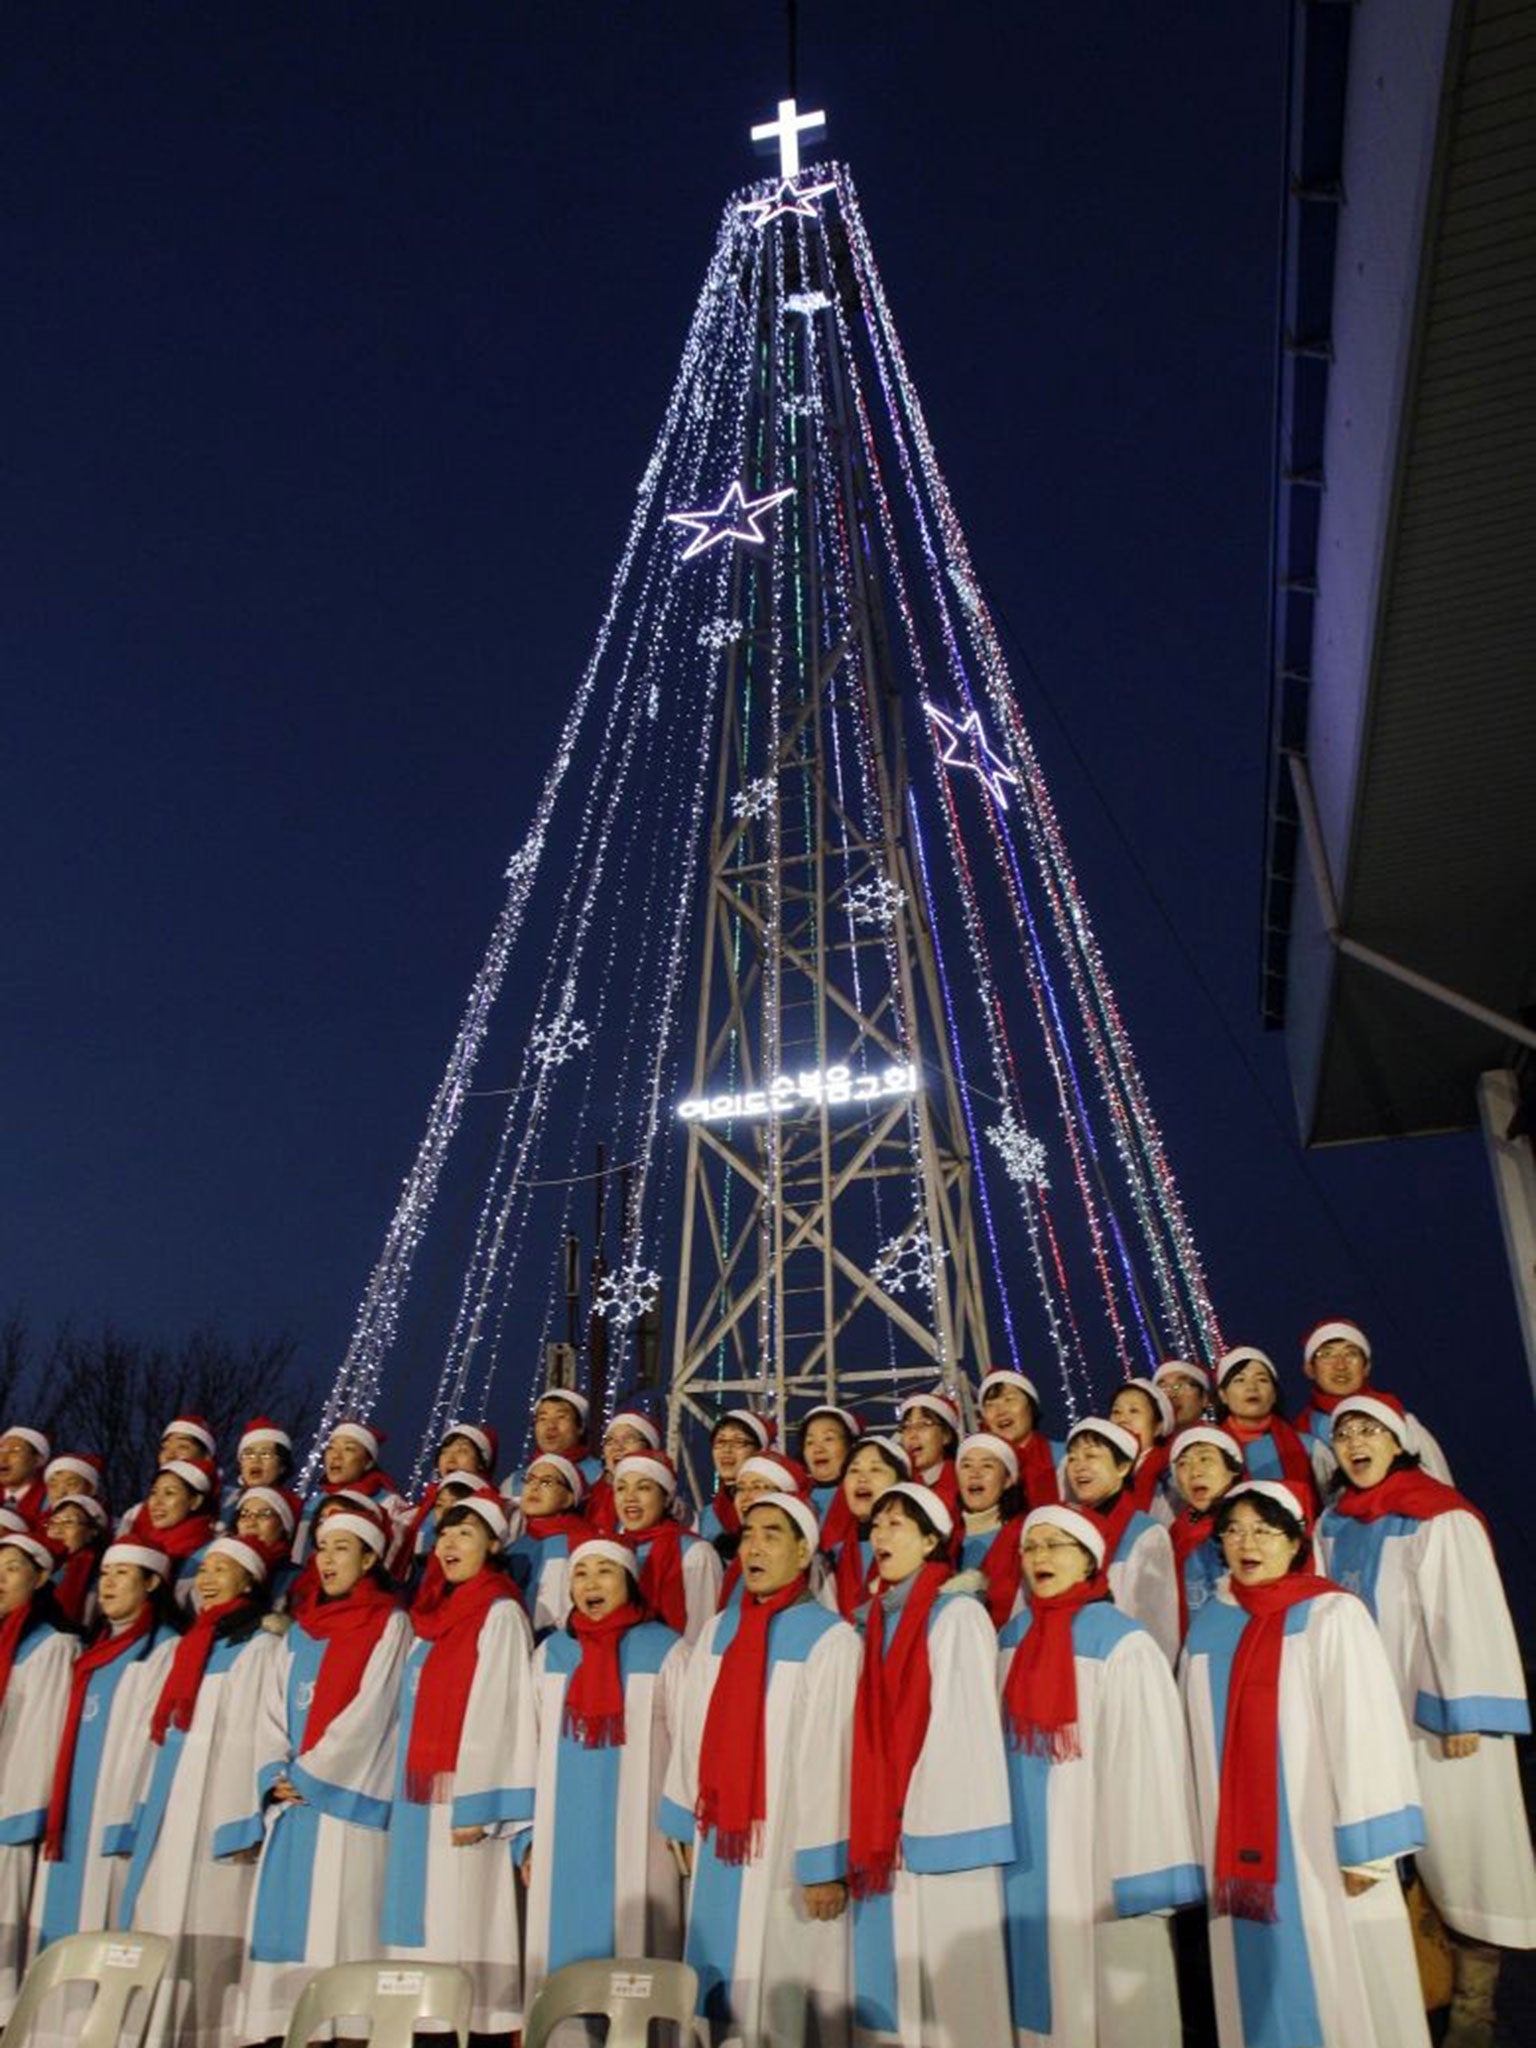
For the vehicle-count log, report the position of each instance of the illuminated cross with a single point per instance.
(786, 133)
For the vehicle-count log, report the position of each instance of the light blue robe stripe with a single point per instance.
(235, 1835)
(118, 1840)
(828, 1865)
(1202, 1569)
(1383, 1835)
(338, 1802)
(1276, 1994)
(150, 1817)
(18, 1828)
(581, 1890)
(1475, 1714)
(66, 1879)
(709, 1523)
(973, 1551)
(1356, 1549)
(1134, 1530)
(974, 1849)
(874, 1964)
(502, 1804)
(1262, 1459)
(280, 1928)
(675, 1821)
(1159, 1891)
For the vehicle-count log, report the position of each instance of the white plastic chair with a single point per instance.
(393, 1997)
(116, 1965)
(630, 1991)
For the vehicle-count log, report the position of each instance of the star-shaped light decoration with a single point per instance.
(979, 757)
(734, 518)
(787, 200)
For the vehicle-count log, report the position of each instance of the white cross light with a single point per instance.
(785, 134)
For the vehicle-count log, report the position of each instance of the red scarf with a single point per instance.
(1248, 1816)
(1406, 1492)
(1037, 1471)
(594, 1695)
(1317, 1410)
(105, 1650)
(72, 1587)
(31, 1503)
(852, 1571)
(12, 1629)
(727, 1514)
(733, 1768)
(350, 1629)
(452, 1627)
(1040, 1691)
(599, 1510)
(1187, 1532)
(414, 1527)
(837, 1521)
(890, 1722)
(660, 1551)
(1003, 1570)
(179, 1543)
(574, 1528)
(942, 1480)
(1150, 1467)
(1295, 1464)
(178, 1696)
(373, 1482)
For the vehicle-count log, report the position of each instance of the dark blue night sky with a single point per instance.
(336, 339)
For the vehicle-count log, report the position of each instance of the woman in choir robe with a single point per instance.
(1305, 1791)
(931, 1824)
(469, 1451)
(464, 1771)
(96, 1772)
(268, 1517)
(263, 1457)
(930, 1436)
(607, 1691)
(1103, 1814)
(176, 1516)
(877, 1464)
(553, 1528)
(757, 1798)
(1336, 1358)
(737, 1435)
(829, 1436)
(329, 1710)
(196, 1828)
(1100, 1462)
(1206, 1464)
(1142, 1407)
(1248, 1407)
(35, 1663)
(628, 1431)
(1417, 1552)
(76, 1532)
(351, 1465)
(1187, 1389)
(680, 1575)
(992, 1504)
(1010, 1408)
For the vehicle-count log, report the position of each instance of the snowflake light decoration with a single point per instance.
(560, 1040)
(807, 303)
(904, 1262)
(627, 1294)
(720, 633)
(756, 800)
(1023, 1154)
(875, 902)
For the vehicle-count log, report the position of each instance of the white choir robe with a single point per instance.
(541, 1568)
(445, 1904)
(82, 1892)
(1317, 1434)
(1102, 1839)
(703, 1575)
(1435, 1590)
(198, 1807)
(769, 1975)
(31, 1721)
(603, 1881)
(1314, 1976)
(929, 1964)
(320, 1882)
(1143, 1581)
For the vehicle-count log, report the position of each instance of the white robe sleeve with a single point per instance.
(1144, 1796)
(498, 1746)
(681, 1793)
(1371, 1771)
(347, 1773)
(31, 1722)
(702, 1577)
(248, 1745)
(1430, 1455)
(1146, 1587)
(1469, 1638)
(959, 1814)
(824, 1757)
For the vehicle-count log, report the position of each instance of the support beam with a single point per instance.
(1513, 1163)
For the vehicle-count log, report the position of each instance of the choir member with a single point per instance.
(737, 1434)
(74, 1472)
(1188, 1390)
(680, 1574)
(263, 1457)
(329, 1711)
(561, 1422)
(80, 1880)
(1248, 1407)
(1206, 1464)
(878, 1463)
(176, 1516)
(464, 1771)
(769, 1472)
(1100, 1461)
(553, 1528)
(350, 1464)
(628, 1431)
(829, 1435)
(35, 1662)
(1418, 1553)
(992, 1504)
(930, 1817)
(1336, 1358)
(1143, 1407)
(75, 1530)
(1305, 1791)
(1102, 1808)
(196, 1830)
(607, 1692)
(930, 1435)
(188, 1436)
(468, 1450)
(24, 1453)
(757, 1797)
(1010, 1408)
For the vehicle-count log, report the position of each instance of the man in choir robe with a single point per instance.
(757, 1797)
(24, 1454)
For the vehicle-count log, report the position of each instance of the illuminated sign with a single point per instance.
(790, 1093)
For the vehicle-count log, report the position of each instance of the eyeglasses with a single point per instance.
(1358, 1429)
(1254, 1532)
(1043, 1549)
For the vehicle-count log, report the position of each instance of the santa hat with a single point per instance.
(1334, 1333)
(992, 1447)
(1005, 1377)
(755, 1425)
(241, 1553)
(642, 1425)
(799, 1511)
(1206, 1433)
(347, 1496)
(892, 1449)
(1081, 1528)
(481, 1435)
(144, 1555)
(86, 1501)
(261, 1429)
(936, 1402)
(604, 1547)
(1240, 1355)
(368, 1529)
(923, 1497)
(1112, 1433)
(359, 1433)
(655, 1465)
(195, 1473)
(87, 1465)
(29, 1546)
(569, 1472)
(487, 1504)
(193, 1426)
(284, 1505)
(845, 1416)
(28, 1435)
(9, 1519)
(1383, 1408)
(572, 1399)
(787, 1474)
(1273, 1490)
(1182, 1369)
(1162, 1406)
